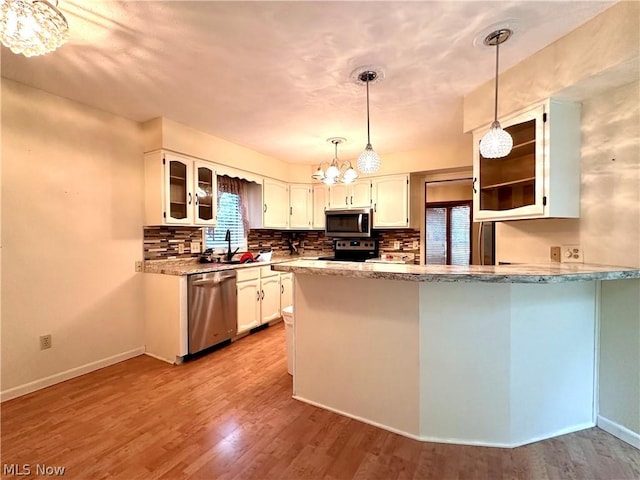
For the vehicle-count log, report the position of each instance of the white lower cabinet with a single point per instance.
(269, 295)
(258, 297)
(286, 290)
(248, 288)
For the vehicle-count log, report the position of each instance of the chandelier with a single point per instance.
(336, 171)
(32, 27)
(496, 143)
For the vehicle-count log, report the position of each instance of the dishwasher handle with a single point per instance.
(211, 280)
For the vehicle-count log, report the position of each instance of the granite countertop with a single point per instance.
(525, 273)
(188, 266)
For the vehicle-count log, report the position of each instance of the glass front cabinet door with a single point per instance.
(179, 190)
(540, 177)
(206, 187)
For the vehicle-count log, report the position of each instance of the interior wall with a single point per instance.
(599, 65)
(189, 141)
(601, 54)
(609, 225)
(72, 214)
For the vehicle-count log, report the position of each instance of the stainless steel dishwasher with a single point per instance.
(212, 309)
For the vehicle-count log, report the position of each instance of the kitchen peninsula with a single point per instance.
(487, 355)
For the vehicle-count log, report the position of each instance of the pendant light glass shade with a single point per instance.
(368, 161)
(496, 143)
(32, 27)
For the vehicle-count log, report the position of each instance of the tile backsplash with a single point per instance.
(164, 242)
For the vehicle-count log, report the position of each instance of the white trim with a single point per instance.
(68, 374)
(360, 419)
(162, 359)
(454, 441)
(620, 431)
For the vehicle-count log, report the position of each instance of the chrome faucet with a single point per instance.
(227, 238)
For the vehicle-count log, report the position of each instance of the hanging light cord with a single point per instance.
(495, 117)
(368, 132)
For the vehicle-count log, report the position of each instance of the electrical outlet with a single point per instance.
(416, 245)
(554, 254)
(396, 245)
(45, 342)
(139, 266)
(571, 254)
(195, 247)
(181, 248)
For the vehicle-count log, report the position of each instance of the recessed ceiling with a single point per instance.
(275, 76)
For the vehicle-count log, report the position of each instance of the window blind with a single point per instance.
(229, 218)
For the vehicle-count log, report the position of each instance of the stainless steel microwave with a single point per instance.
(354, 222)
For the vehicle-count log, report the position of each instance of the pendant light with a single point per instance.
(368, 161)
(336, 171)
(496, 143)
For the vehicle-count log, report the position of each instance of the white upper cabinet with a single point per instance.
(206, 193)
(275, 199)
(300, 206)
(320, 205)
(390, 195)
(540, 178)
(179, 190)
(352, 195)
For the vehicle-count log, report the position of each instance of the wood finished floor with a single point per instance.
(230, 415)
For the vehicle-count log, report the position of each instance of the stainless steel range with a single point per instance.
(354, 250)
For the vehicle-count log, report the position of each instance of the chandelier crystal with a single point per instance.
(32, 27)
(336, 171)
(496, 143)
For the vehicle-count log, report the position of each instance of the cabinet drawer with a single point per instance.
(243, 274)
(267, 272)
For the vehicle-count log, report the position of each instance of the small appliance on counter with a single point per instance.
(207, 256)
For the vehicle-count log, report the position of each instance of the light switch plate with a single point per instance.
(571, 254)
(195, 247)
(554, 254)
(180, 248)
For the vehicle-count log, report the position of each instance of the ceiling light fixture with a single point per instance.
(32, 27)
(368, 161)
(336, 171)
(497, 142)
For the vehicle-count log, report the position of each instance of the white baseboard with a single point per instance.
(68, 374)
(454, 441)
(166, 360)
(617, 430)
(360, 419)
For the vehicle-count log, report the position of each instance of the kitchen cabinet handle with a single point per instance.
(265, 208)
(475, 179)
(290, 210)
(189, 198)
(257, 295)
(351, 199)
(262, 294)
(281, 288)
(375, 205)
(196, 199)
(346, 200)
